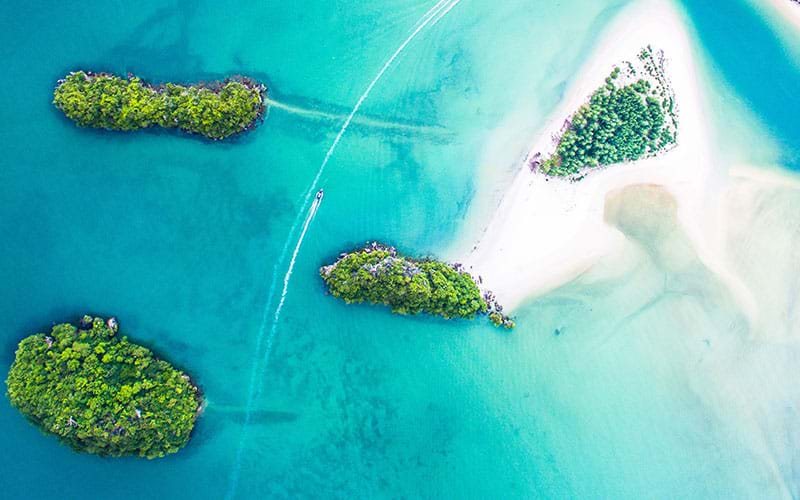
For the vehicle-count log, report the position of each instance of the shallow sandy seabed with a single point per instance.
(546, 231)
(722, 237)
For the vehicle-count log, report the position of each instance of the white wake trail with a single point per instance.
(252, 392)
(421, 24)
(444, 13)
(288, 275)
(365, 121)
(443, 6)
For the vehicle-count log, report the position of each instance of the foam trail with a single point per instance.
(444, 13)
(252, 393)
(287, 277)
(369, 122)
(442, 6)
(425, 20)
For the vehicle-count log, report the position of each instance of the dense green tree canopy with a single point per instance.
(110, 102)
(102, 394)
(620, 123)
(377, 274)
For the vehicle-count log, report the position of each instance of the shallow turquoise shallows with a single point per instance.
(184, 240)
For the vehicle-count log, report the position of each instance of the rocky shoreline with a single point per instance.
(390, 261)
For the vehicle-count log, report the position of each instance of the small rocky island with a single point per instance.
(102, 394)
(379, 275)
(633, 116)
(214, 110)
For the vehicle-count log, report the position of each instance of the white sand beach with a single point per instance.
(789, 9)
(547, 231)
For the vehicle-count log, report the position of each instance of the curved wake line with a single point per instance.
(442, 7)
(252, 392)
(286, 279)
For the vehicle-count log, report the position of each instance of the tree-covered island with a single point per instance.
(379, 275)
(632, 116)
(214, 110)
(102, 394)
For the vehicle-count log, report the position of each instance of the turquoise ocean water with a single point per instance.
(655, 387)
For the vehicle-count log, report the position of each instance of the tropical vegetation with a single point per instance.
(100, 393)
(377, 274)
(621, 122)
(215, 111)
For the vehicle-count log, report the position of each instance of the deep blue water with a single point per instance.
(744, 49)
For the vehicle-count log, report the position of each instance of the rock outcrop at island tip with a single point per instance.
(379, 275)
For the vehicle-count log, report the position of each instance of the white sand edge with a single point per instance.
(546, 231)
(788, 9)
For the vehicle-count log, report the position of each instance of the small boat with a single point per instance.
(320, 194)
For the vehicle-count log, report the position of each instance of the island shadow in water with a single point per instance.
(257, 417)
(147, 53)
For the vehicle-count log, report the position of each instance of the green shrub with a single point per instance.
(102, 394)
(618, 124)
(110, 102)
(378, 275)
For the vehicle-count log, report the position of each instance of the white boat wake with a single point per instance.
(364, 121)
(435, 14)
(442, 7)
(254, 390)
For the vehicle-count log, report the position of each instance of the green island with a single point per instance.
(377, 274)
(102, 394)
(631, 117)
(214, 110)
